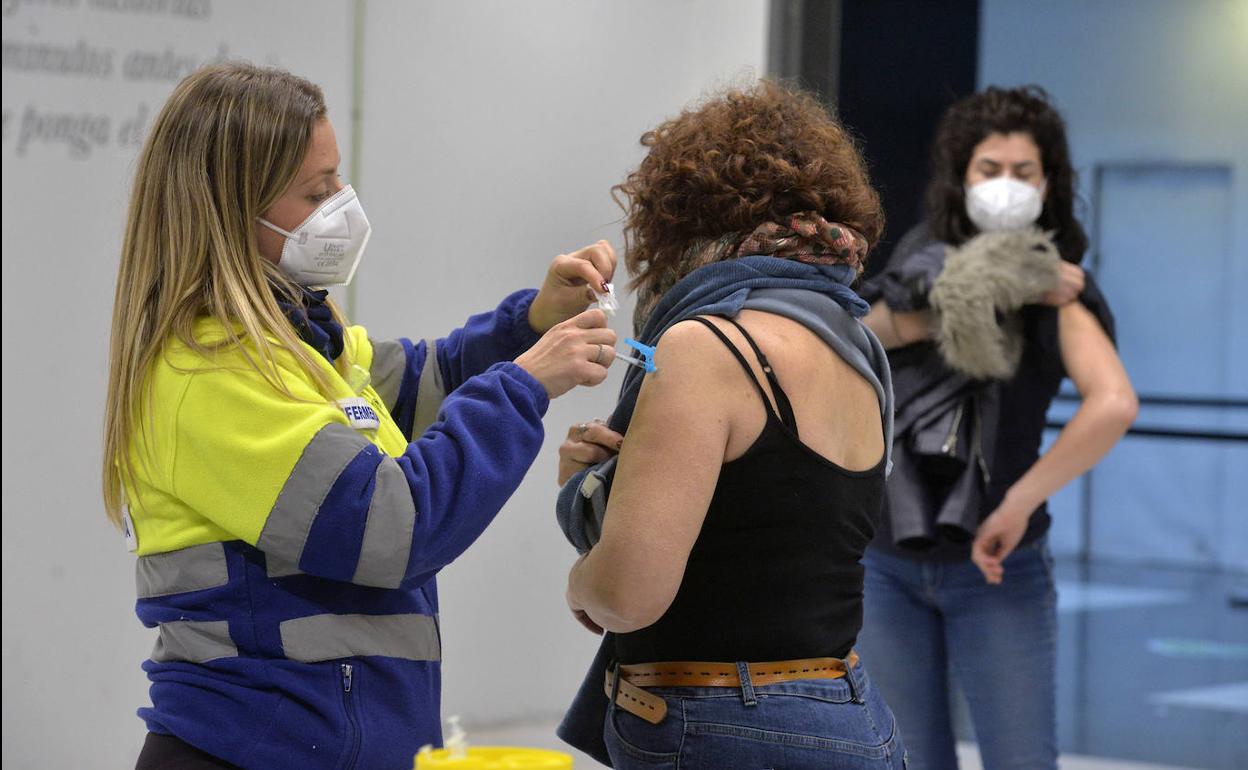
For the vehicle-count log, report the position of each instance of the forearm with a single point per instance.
(1099, 423)
(593, 589)
(413, 377)
(487, 339)
(464, 469)
(896, 330)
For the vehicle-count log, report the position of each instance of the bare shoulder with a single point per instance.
(695, 371)
(692, 349)
(683, 409)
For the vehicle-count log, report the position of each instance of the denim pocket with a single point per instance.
(895, 749)
(791, 740)
(805, 731)
(633, 742)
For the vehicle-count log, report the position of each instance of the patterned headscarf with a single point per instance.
(804, 237)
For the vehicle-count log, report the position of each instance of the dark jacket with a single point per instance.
(943, 418)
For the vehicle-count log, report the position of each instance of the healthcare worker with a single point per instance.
(290, 486)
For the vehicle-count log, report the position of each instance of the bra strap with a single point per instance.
(782, 398)
(782, 401)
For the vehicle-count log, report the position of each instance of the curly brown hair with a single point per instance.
(742, 158)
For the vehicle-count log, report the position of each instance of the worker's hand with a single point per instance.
(566, 290)
(997, 538)
(575, 352)
(588, 443)
(1070, 283)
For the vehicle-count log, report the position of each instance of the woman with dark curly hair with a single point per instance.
(985, 311)
(721, 548)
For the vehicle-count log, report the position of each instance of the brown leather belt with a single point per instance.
(632, 698)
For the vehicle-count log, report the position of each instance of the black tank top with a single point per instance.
(775, 573)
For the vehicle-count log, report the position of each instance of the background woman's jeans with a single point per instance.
(825, 724)
(926, 621)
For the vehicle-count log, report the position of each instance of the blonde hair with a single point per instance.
(226, 145)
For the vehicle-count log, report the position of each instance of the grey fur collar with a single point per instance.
(976, 298)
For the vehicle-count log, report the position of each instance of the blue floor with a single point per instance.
(1152, 666)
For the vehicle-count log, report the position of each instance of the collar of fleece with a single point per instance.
(309, 313)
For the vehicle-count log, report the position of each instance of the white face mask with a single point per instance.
(325, 248)
(1003, 203)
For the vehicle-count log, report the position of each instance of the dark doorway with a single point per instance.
(889, 68)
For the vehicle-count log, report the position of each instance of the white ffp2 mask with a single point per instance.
(325, 249)
(1003, 203)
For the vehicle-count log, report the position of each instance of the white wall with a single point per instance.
(492, 132)
(72, 645)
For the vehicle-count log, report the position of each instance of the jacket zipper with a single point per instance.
(348, 703)
(951, 440)
(979, 448)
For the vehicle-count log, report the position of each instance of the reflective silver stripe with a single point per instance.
(430, 392)
(325, 637)
(388, 530)
(389, 363)
(276, 567)
(194, 641)
(323, 459)
(189, 569)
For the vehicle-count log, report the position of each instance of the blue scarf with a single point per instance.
(786, 287)
(311, 317)
(721, 288)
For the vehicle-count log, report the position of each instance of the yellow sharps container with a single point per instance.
(494, 758)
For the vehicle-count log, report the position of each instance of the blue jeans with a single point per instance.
(925, 622)
(827, 724)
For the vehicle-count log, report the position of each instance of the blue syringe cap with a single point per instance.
(646, 352)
